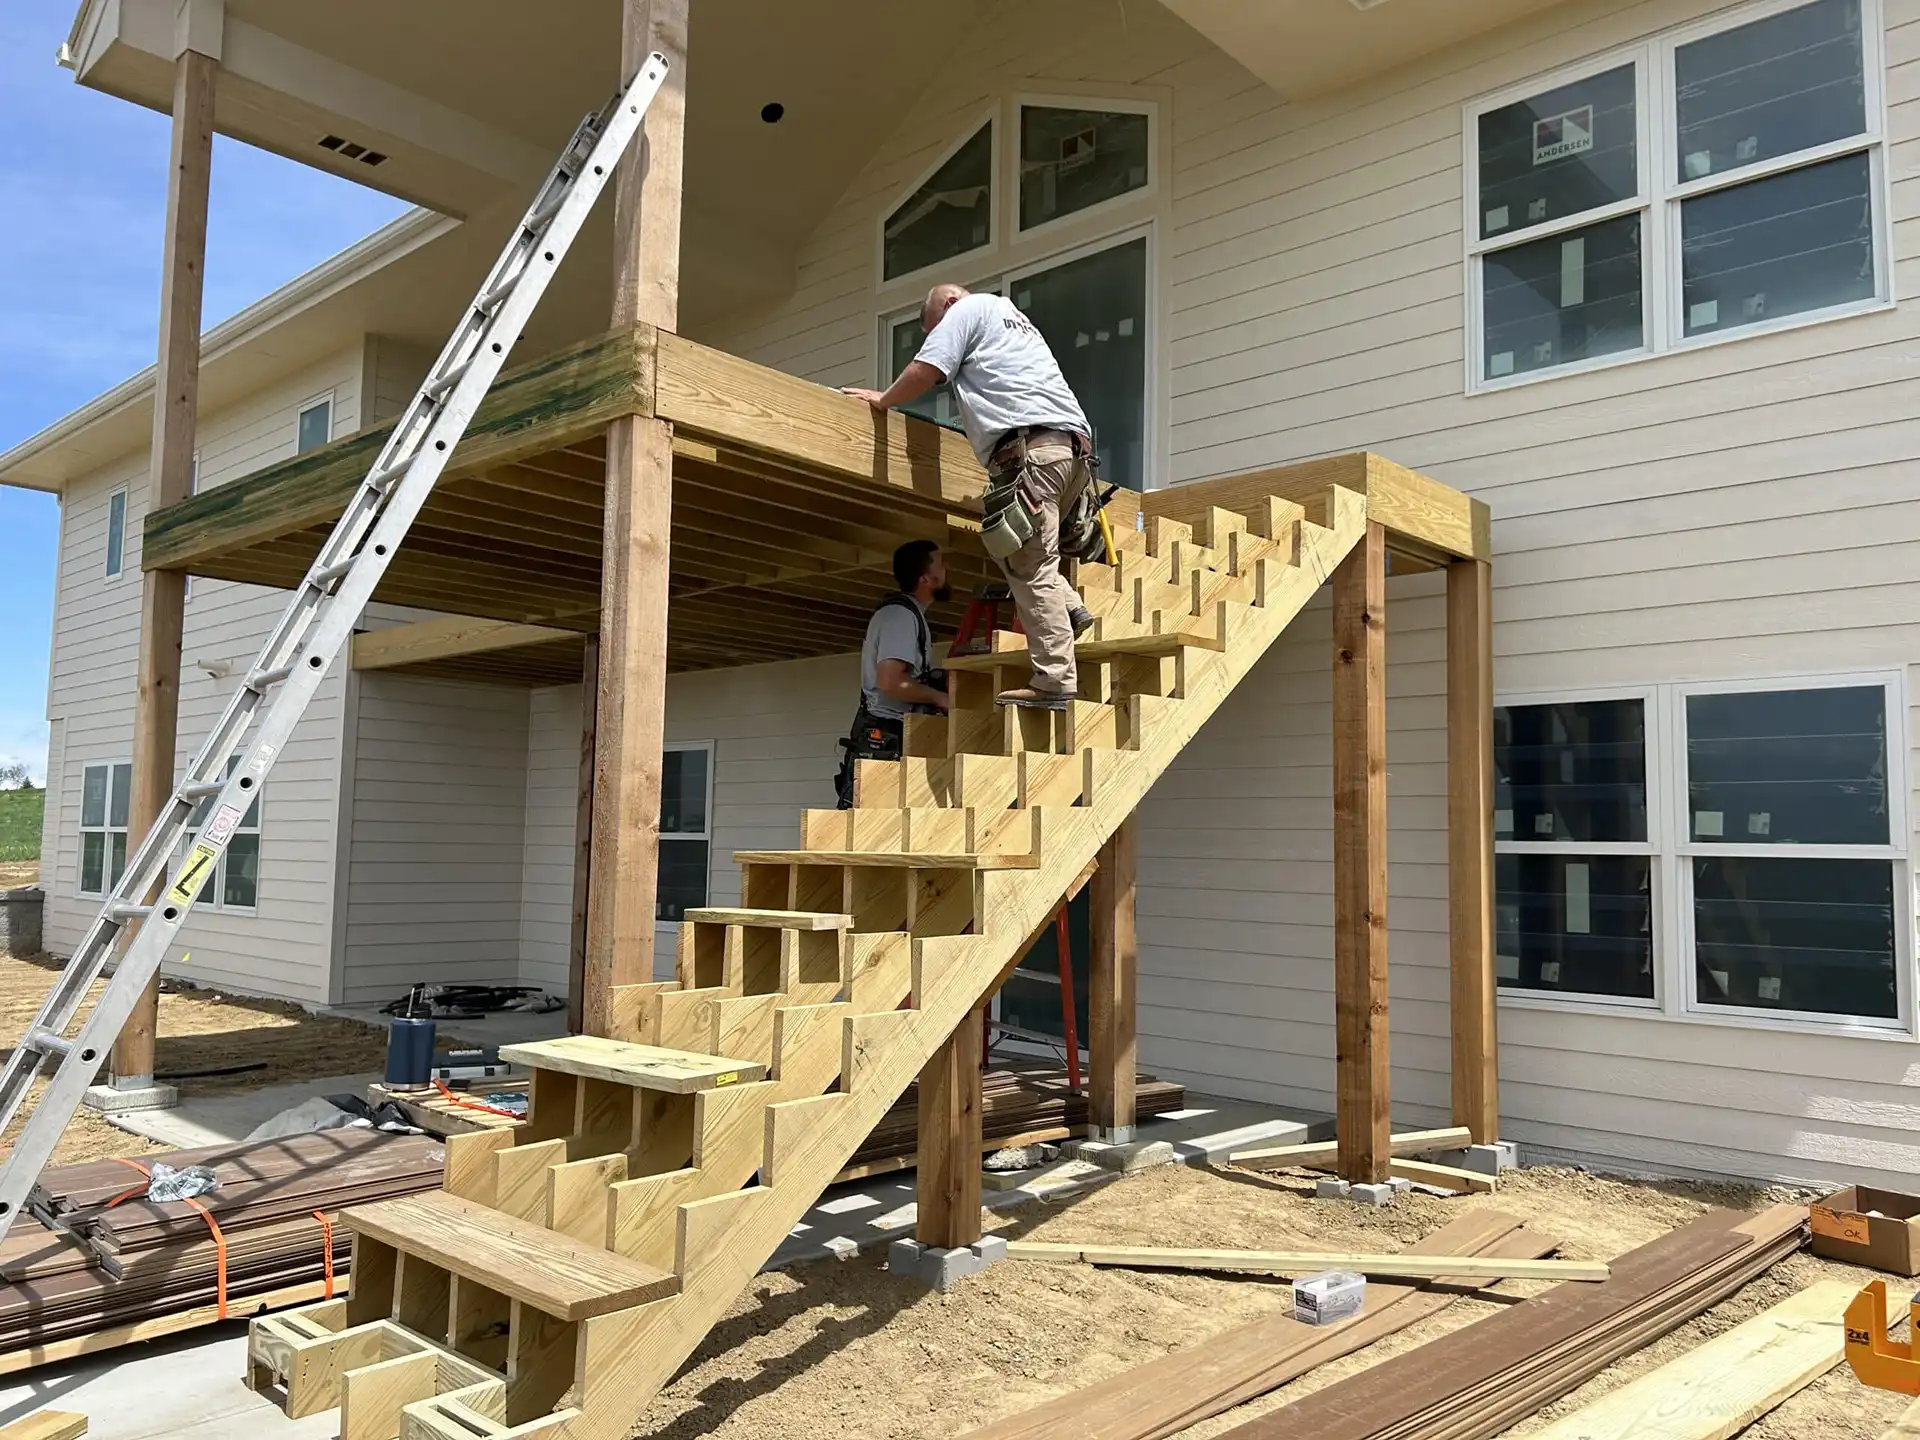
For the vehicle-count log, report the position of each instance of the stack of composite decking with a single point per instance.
(131, 1264)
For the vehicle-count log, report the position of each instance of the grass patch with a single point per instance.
(20, 814)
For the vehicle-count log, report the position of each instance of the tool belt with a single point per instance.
(1010, 509)
(873, 737)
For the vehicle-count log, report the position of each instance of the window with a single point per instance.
(116, 533)
(950, 214)
(1709, 183)
(104, 794)
(1573, 876)
(1092, 309)
(316, 425)
(686, 808)
(1073, 159)
(1774, 819)
(236, 881)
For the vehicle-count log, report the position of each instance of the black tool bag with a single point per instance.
(873, 737)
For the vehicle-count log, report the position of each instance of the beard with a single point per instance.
(942, 595)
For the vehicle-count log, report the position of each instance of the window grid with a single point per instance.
(703, 837)
(1127, 201)
(1660, 201)
(214, 894)
(1673, 850)
(102, 825)
(312, 436)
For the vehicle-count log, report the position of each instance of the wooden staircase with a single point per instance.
(569, 1268)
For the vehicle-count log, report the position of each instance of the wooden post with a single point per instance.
(623, 868)
(947, 1185)
(163, 593)
(1475, 991)
(1113, 1004)
(1360, 858)
(583, 838)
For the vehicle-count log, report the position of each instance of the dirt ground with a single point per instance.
(263, 1041)
(842, 1347)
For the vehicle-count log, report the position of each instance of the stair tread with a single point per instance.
(910, 860)
(645, 1067)
(772, 919)
(556, 1275)
(1167, 644)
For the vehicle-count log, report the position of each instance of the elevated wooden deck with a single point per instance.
(788, 501)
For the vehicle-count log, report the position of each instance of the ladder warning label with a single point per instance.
(200, 862)
(220, 829)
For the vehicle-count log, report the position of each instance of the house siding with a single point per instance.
(1737, 511)
(282, 948)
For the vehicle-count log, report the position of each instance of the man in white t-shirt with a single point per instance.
(1031, 434)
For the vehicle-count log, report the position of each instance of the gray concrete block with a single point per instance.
(1119, 1135)
(1329, 1188)
(1124, 1159)
(903, 1257)
(943, 1269)
(112, 1100)
(1484, 1159)
(1400, 1186)
(991, 1249)
(1379, 1195)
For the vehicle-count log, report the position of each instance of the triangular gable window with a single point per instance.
(951, 214)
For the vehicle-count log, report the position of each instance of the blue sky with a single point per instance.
(83, 196)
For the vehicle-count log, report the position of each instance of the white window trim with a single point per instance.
(1671, 878)
(672, 927)
(1148, 194)
(325, 397)
(82, 829)
(126, 511)
(996, 204)
(1662, 193)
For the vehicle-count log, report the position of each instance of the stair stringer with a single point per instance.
(626, 1358)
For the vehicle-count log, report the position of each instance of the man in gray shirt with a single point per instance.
(1030, 433)
(897, 678)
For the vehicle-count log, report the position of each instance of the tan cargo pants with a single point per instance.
(1055, 477)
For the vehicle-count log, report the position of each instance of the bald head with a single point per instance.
(940, 299)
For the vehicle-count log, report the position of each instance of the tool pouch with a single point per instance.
(1080, 534)
(873, 737)
(1007, 521)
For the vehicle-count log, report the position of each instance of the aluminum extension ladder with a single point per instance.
(284, 677)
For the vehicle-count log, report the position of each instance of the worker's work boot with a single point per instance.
(1081, 619)
(1028, 698)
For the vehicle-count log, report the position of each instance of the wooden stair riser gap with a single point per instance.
(477, 1323)
(541, 1358)
(877, 899)
(370, 1292)
(765, 887)
(760, 962)
(820, 886)
(604, 1122)
(551, 1104)
(420, 1295)
(942, 902)
(663, 1133)
(813, 970)
(709, 955)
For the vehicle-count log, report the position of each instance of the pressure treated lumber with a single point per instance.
(163, 593)
(645, 1067)
(1717, 1390)
(771, 919)
(1327, 1152)
(447, 637)
(1473, 988)
(1114, 976)
(947, 1180)
(582, 838)
(889, 860)
(630, 724)
(48, 1424)
(1305, 1262)
(1362, 1083)
(536, 1266)
(1165, 1397)
(1479, 1381)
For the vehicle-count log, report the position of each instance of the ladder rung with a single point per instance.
(120, 912)
(444, 386)
(550, 207)
(201, 789)
(267, 679)
(45, 1042)
(381, 479)
(326, 575)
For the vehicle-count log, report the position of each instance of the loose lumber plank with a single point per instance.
(1473, 988)
(888, 859)
(29, 1357)
(1717, 1390)
(48, 1424)
(1408, 1142)
(1363, 1081)
(1478, 1381)
(1307, 1262)
(526, 1262)
(772, 919)
(1165, 1397)
(1443, 1177)
(645, 1067)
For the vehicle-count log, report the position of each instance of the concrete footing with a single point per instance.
(943, 1269)
(1123, 1159)
(1376, 1195)
(112, 1100)
(1484, 1159)
(1328, 1187)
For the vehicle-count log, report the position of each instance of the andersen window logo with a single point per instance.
(1555, 137)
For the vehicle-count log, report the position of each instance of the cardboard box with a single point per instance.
(1886, 1239)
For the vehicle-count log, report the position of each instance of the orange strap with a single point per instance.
(453, 1099)
(219, 1236)
(326, 1247)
